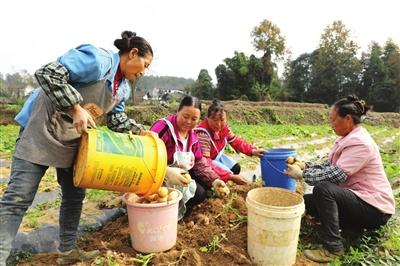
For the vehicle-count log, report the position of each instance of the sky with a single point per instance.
(186, 35)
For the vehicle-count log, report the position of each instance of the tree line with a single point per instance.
(330, 72)
(12, 86)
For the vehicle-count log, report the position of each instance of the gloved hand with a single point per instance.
(220, 188)
(300, 164)
(294, 171)
(174, 175)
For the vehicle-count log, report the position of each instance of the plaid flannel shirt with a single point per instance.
(54, 77)
(315, 173)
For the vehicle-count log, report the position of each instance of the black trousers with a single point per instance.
(236, 169)
(339, 208)
(199, 196)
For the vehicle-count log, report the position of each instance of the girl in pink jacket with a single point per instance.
(351, 190)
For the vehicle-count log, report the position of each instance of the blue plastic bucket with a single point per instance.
(273, 163)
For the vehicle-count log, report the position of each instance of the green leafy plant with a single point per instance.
(214, 244)
(143, 260)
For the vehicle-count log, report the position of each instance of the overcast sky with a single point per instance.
(186, 35)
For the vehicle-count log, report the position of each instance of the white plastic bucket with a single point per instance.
(273, 227)
(153, 227)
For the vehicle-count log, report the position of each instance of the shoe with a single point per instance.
(322, 255)
(76, 255)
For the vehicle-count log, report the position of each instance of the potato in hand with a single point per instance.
(187, 177)
(290, 160)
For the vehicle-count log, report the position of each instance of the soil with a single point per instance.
(210, 219)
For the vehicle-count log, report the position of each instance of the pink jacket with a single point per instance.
(220, 139)
(358, 156)
(201, 167)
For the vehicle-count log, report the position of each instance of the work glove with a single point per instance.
(175, 176)
(294, 171)
(220, 188)
(238, 179)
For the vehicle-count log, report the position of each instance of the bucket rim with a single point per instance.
(154, 205)
(280, 150)
(254, 202)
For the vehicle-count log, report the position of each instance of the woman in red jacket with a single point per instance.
(214, 134)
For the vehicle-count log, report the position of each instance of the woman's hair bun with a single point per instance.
(128, 34)
(352, 98)
(360, 105)
(130, 40)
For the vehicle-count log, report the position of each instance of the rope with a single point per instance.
(276, 169)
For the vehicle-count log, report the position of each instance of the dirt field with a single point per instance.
(194, 231)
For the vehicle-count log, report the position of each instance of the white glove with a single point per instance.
(174, 175)
(220, 188)
(294, 171)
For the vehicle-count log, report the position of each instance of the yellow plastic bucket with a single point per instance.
(120, 162)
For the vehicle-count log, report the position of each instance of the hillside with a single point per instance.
(240, 112)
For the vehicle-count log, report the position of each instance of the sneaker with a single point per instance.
(322, 255)
(76, 255)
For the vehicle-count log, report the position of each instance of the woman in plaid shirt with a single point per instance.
(78, 87)
(351, 190)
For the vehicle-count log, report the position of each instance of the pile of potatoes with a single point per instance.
(163, 195)
(293, 160)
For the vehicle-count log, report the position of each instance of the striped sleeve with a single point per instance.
(239, 144)
(53, 78)
(205, 143)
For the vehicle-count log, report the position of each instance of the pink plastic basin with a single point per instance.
(153, 227)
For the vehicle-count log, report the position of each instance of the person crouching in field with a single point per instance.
(214, 135)
(351, 190)
(184, 154)
(81, 85)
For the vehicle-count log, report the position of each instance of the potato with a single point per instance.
(151, 197)
(132, 198)
(162, 192)
(163, 199)
(187, 177)
(224, 190)
(172, 195)
(290, 160)
(300, 164)
(141, 200)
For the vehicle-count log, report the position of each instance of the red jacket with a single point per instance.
(220, 139)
